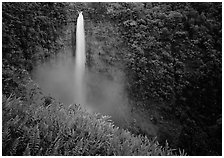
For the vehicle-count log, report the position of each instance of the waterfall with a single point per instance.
(80, 59)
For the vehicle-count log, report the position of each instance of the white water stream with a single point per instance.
(80, 60)
(66, 78)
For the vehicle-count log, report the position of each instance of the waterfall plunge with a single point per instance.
(80, 59)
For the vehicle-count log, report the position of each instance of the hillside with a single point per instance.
(35, 124)
(153, 76)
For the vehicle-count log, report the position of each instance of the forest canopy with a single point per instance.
(176, 57)
(173, 58)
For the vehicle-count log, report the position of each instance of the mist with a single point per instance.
(105, 94)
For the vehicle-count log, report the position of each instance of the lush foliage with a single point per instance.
(35, 124)
(26, 26)
(39, 125)
(29, 34)
(174, 58)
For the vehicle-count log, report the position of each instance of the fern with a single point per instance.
(66, 149)
(37, 139)
(52, 146)
(56, 130)
(34, 142)
(6, 138)
(39, 153)
(27, 151)
(182, 153)
(56, 147)
(14, 147)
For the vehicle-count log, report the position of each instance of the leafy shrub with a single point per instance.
(32, 127)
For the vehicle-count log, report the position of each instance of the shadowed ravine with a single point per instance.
(69, 81)
(91, 78)
(105, 91)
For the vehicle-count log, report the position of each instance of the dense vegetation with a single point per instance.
(41, 126)
(28, 28)
(174, 59)
(36, 124)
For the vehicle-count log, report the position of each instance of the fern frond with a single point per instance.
(40, 152)
(27, 151)
(51, 146)
(14, 146)
(6, 137)
(66, 149)
(182, 153)
(34, 142)
(37, 139)
(56, 147)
